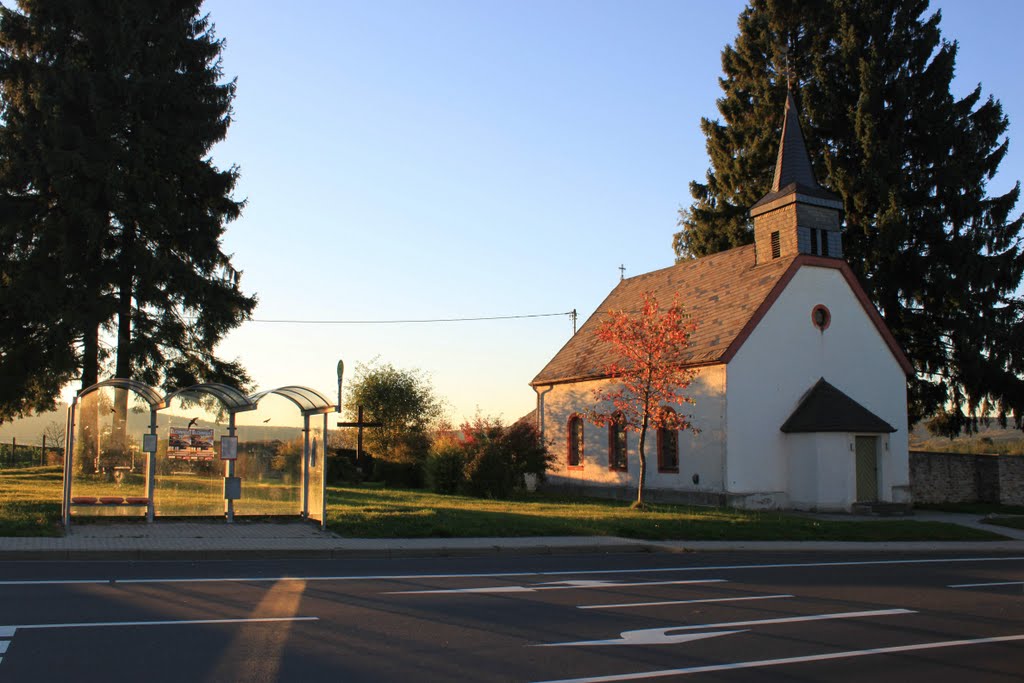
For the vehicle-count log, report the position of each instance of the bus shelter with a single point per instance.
(132, 451)
(110, 458)
(311, 404)
(188, 477)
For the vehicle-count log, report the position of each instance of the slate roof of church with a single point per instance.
(826, 409)
(726, 294)
(720, 292)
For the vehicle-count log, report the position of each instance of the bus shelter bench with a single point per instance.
(100, 501)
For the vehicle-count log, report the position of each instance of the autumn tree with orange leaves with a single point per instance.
(648, 377)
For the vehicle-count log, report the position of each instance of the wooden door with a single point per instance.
(867, 468)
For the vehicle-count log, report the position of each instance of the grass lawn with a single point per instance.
(30, 506)
(30, 501)
(395, 513)
(1011, 522)
(976, 508)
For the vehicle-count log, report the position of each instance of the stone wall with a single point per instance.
(1011, 480)
(966, 478)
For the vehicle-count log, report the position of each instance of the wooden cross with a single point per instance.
(622, 272)
(359, 424)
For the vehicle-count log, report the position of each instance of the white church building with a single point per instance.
(801, 390)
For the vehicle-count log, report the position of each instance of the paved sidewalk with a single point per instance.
(263, 540)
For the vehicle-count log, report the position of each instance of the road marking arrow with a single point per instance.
(551, 586)
(664, 636)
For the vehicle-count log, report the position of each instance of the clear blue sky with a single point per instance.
(440, 159)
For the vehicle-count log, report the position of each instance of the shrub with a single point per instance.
(497, 456)
(489, 470)
(529, 453)
(404, 466)
(398, 474)
(444, 467)
(340, 468)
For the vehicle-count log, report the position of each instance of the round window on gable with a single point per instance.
(821, 317)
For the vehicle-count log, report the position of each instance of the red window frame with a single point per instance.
(667, 438)
(616, 432)
(575, 442)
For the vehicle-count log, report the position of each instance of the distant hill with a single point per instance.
(989, 439)
(29, 430)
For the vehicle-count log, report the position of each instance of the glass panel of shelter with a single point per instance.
(317, 462)
(108, 469)
(189, 471)
(270, 446)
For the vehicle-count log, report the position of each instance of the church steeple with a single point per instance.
(794, 163)
(797, 215)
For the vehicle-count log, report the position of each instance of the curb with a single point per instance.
(165, 554)
(540, 549)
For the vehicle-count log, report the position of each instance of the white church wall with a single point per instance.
(802, 469)
(783, 357)
(701, 456)
(820, 473)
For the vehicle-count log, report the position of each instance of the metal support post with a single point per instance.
(229, 472)
(305, 467)
(151, 468)
(323, 478)
(69, 449)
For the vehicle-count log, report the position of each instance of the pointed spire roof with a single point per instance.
(794, 163)
(794, 173)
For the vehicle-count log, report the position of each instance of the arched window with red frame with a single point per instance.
(668, 448)
(575, 441)
(618, 453)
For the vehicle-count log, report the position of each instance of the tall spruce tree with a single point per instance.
(940, 258)
(115, 208)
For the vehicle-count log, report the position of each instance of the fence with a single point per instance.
(15, 454)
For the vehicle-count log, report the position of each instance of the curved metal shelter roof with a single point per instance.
(309, 401)
(148, 393)
(232, 399)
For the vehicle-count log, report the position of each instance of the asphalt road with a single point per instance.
(694, 616)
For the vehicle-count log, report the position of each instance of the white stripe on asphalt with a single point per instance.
(556, 586)
(661, 636)
(3, 646)
(52, 582)
(682, 602)
(980, 585)
(583, 572)
(787, 660)
(4, 630)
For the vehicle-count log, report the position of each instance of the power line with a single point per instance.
(284, 321)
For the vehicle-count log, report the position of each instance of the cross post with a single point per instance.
(359, 424)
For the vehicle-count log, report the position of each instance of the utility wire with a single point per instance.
(396, 322)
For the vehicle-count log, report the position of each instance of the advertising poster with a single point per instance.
(190, 444)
